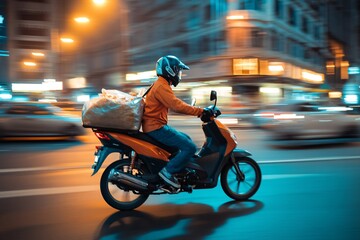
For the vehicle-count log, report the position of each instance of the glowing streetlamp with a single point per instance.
(38, 54)
(29, 64)
(66, 40)
(99, 2)
(82, 20)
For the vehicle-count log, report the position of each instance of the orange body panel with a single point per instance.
(225, 131)
(142, 147)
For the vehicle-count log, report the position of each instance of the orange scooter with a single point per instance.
(128, 182)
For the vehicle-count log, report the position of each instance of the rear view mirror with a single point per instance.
(193, 101)
(213, 95)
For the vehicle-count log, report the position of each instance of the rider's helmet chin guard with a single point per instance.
(170, 67)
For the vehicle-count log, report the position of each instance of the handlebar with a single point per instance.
(210, 113)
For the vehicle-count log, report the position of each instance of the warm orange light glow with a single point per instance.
(276, 67)
(335, 94)
(235, 17)
(99, 2)
(38, 54)
(312, 76)
(82, 19)
(67, 40)
(344, 64)
(29, 64)
(245, 66)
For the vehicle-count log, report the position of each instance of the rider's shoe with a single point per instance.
(169, 178)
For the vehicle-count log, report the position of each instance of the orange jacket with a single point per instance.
(158, 101)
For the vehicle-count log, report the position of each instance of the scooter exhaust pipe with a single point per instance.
(131, 181)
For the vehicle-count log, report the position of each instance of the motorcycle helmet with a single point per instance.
(170, 67)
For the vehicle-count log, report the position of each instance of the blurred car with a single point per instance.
(24, 119)
(310, 120)
(263, 117)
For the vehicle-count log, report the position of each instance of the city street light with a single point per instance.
(82, 19)
(99, 2)
(66, 40)
(38, 54)
(29, 64)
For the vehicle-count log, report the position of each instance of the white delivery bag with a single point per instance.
(115, 110)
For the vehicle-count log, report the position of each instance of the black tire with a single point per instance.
(118, 197)
(249, 183)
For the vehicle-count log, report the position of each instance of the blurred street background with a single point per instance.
(287, 75)
(308, 191)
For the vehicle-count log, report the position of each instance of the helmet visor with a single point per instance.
(182, 66)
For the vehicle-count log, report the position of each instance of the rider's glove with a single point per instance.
(207, 114)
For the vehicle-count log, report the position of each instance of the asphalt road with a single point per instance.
(308, 192)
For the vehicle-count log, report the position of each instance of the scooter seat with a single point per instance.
(142, 136)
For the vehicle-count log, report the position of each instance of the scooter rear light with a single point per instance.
(101, 135)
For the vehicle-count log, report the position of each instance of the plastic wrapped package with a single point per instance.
(113, 109)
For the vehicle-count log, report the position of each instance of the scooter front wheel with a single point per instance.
(116, 195)
(244, 184)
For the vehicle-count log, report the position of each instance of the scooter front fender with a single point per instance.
(100, 157)
(241, 153)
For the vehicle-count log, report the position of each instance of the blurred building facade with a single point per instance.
(51, 53)
(4, 51)
(267, 48)
(32, 29)
(262, 49)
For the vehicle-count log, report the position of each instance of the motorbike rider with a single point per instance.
(158, 101)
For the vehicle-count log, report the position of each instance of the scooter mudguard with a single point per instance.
(100, 156)
(241, 153)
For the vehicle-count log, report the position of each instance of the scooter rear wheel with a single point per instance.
(245, 185)
(117, 196)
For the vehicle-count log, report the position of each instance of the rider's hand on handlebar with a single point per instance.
(207, 114)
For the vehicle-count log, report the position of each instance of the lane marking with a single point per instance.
(34, 169)
(47, 191)
(57, 168)
(310, 159)
(91, 188)
(283, 176)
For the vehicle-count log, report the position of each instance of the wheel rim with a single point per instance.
(116, 192)
(242, 185)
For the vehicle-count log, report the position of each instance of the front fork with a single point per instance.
(239, 174)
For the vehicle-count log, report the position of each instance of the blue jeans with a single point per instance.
(171, 137)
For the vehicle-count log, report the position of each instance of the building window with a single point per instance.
(305, 24)
(31, 45)
(221, 43)
(239, 36)
(281, 43)
(275, 43)
(289, 44)
(33, 16)
(300, 51)
(246, 66)
(291, 16)
(257, 38)
(207, 16)
(193, 18)
(28, 31)
(316, 32)
(279, 9)
(205, 45)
